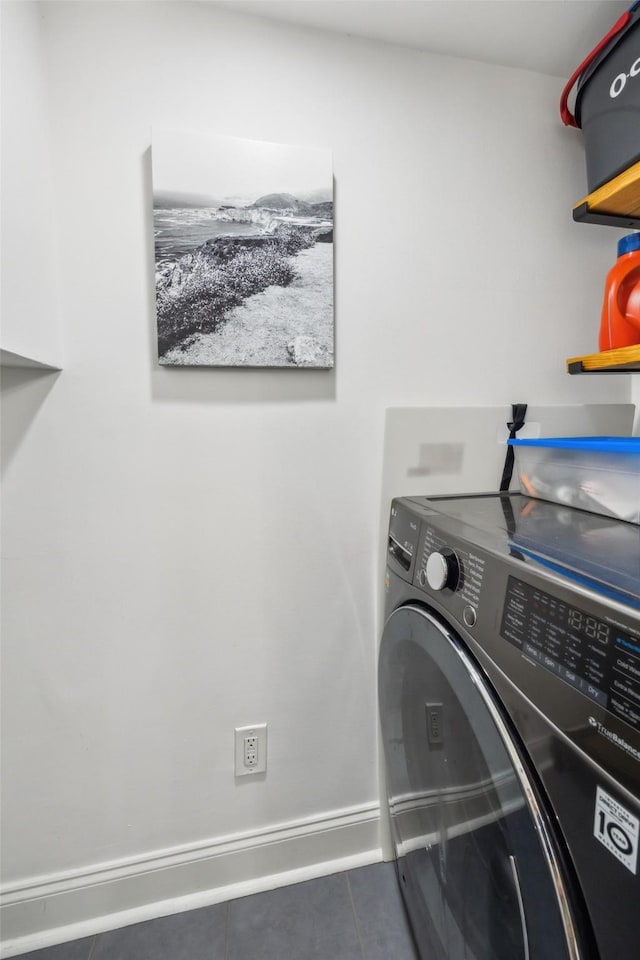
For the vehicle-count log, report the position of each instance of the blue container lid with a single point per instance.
(629, 243)
(599, 444)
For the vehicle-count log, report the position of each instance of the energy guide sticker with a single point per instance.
(617, 829)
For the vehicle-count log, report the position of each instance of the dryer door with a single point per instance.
(475, 862)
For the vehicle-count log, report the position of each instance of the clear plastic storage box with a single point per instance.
(599, 474)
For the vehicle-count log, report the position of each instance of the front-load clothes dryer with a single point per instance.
(509, 697)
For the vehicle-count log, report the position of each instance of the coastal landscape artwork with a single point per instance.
(243, 235)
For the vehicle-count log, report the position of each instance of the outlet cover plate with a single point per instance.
(259, 732)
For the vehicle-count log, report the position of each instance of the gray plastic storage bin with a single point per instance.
(607, 105)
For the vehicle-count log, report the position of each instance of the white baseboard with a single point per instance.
(44, 911)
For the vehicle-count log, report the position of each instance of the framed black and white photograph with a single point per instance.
(243, 252)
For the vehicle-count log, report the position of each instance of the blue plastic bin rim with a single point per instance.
(604, 444)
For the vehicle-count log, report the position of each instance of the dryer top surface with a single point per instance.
(598, 552)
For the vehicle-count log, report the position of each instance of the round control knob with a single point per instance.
(442, 570)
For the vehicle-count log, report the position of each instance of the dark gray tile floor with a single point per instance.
(356, 915)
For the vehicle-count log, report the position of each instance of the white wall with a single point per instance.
(30, 308)
(191, 550)
(635, 398)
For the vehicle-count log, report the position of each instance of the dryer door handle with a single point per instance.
(523, 919)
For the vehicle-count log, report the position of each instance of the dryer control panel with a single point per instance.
(457, 568)
(597, 657)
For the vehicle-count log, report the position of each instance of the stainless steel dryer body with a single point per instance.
(509, 692)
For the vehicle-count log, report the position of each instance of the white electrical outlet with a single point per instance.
(251, 749)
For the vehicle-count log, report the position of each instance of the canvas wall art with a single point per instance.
(243, 252)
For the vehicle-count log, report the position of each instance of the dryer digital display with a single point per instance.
(595, 657)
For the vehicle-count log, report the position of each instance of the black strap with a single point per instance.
(518, 411)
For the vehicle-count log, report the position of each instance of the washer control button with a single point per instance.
(469, 615)
(443, 570)
(422, 578)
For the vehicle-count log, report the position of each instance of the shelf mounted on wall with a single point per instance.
(622, 360)
(615, 204)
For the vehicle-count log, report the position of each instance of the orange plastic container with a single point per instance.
(620, 324)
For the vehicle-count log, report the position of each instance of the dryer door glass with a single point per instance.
(475, 865)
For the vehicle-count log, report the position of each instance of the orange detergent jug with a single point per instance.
(620, 324)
